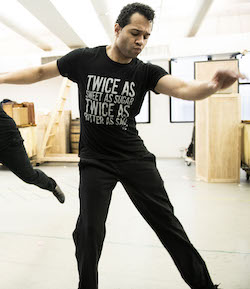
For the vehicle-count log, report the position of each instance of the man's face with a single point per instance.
(132, 38)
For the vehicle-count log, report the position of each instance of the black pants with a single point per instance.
(145, 188)
(16, 159)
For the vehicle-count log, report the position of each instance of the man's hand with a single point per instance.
(225, 78)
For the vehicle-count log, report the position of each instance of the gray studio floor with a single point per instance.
(37, 252)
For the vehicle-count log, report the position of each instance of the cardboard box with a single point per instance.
(31, 112)
(20, 115)
(8, 108)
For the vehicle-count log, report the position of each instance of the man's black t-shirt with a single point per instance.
(9, 133)
(110, 96)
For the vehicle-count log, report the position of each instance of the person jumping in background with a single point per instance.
(14, 156)
(112, 83)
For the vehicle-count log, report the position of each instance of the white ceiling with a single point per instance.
(182, 27)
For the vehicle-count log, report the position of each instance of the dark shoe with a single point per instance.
(59, 194)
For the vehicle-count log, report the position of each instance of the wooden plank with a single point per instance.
(224, 144)
(59, 158)
(64, 91)
(202, 137)
(59, 138)
(218, 133)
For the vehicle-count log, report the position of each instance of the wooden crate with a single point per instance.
(218, 133)
(245, 149)
(75, 135)
(60, 142)
(29, 134)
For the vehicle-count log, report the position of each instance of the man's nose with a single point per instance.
(140, 40)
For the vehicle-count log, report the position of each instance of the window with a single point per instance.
(244, 66)
(183, 110)
(244, 90)
(244, 85)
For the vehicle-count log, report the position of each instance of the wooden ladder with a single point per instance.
(55, 119)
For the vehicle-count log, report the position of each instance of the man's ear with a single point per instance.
(117, 29)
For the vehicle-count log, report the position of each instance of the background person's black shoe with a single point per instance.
(59, 194)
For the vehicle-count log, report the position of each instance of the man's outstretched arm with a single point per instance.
(196, 90)
(31, 75)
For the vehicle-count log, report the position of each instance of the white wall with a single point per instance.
(44, 95)
(220, 44)
(161, 137)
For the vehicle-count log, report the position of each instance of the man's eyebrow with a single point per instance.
(138, 30)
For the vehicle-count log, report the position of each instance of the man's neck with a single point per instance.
(114, 54)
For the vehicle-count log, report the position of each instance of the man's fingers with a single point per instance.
(242, 76)
(225, 78)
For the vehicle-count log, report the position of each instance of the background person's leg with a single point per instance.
(16, 159)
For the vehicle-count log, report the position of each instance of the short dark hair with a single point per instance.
(128, 10)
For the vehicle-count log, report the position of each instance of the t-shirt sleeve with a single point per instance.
(155, 73)
(68, 64)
